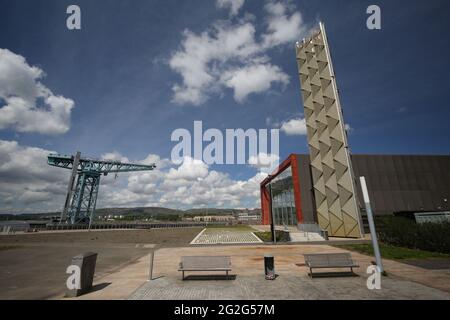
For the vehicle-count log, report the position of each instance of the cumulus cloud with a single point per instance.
(26, 105)
(254, 79)
(232, 55)
(294, 127)
(192, 184)
(348, 128)
(26, 179)
(27, 183)
(283, 27)
(266, 163)
(233, 5)
(191, 169)
(114, 156)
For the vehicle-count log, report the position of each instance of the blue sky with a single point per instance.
(120, 72)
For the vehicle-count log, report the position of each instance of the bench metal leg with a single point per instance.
(227, 274)
(310, 273)
(182, 275)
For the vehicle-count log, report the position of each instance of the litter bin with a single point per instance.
(269, 266)
(86, 262)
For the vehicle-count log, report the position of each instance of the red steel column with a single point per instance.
(265, 205)
(297, 191)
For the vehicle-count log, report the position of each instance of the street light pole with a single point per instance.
(373, 233)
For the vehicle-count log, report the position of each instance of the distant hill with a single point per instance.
(137, 211)
(141, 211)
(212, 211)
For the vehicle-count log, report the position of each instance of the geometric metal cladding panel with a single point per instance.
(333, 181)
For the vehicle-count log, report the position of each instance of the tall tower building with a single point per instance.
(332, 174)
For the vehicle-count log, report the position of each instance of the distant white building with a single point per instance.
(246, 217)
(214, 218)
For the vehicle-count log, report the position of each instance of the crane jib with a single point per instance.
(81, 199)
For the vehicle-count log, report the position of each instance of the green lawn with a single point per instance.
(393, 252)
(267, 236)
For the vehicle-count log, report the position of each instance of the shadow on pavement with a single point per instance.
(99, 286)
(210, 277)
(333, 274)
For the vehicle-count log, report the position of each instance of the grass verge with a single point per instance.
(281, 236)
(233, 228)
(394, 252)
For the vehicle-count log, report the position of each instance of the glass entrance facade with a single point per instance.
(283, 202)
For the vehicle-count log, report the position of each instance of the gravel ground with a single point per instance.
(165, 237)
(32, 266)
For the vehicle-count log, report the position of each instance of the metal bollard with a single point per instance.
(86, 262)
(269, 266)
(150, 273)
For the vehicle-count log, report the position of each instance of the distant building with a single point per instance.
(214, 218)
(247, 217)
(398, 185)
(13, 226)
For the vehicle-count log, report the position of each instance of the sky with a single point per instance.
(138, 70)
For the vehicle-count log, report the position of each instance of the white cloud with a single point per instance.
(229, 55)
(201, 60)
(28, 183)
(254, 79)
(191, 184)
(26, 179)
(155, 159)
(348, 128)
(233, 5)
(190, 169)
(266, 163)
(114, 156)
(272, 123)
(28, 105)
(30, 196)
(294, 127)
(282, 28)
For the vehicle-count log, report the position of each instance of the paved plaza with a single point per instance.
(293, 281)
(286, 287)
(404, 281)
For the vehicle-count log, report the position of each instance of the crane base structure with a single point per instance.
(81, 199)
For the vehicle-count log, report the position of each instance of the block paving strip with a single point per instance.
(225, 237)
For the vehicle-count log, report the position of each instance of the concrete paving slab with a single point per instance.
(293, 287)
(404, 281)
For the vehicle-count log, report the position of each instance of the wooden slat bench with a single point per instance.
(329, 260)
(205, 263)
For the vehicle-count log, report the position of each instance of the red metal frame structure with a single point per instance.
(291, 161)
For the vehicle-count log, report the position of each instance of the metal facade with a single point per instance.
(333, 182)
(405, 183)
(397, 184)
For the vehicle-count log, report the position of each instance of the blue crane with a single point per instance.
(81, 199)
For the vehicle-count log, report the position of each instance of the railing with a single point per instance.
(102, 226)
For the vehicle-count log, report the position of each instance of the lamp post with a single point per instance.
(373, 233)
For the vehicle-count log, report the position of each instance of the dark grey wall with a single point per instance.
(306, 189)
(396, 183)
